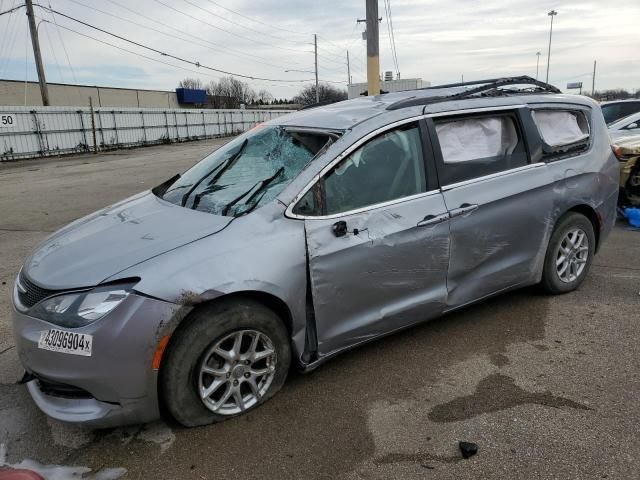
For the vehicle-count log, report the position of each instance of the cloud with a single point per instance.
(436, 40)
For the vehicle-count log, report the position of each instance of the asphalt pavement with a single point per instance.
(547, 387)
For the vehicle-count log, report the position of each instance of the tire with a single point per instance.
(194, 348)
(555, 278)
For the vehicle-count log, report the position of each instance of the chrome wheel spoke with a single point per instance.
(226, 354)
(225, 397)
(215, 385)
(237, 397)
(216, 372)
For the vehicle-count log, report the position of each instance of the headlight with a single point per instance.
(73, 310)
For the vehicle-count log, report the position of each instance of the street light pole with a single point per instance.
(552, 14)
(537, 64)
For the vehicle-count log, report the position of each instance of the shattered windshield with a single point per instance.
(247, 172)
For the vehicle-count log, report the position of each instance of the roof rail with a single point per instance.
(484, 86)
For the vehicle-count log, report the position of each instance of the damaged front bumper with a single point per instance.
(116, 385)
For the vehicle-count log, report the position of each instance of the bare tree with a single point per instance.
(194, 83)
(265, 97)
(327, 94)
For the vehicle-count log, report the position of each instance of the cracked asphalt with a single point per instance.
(548, 387)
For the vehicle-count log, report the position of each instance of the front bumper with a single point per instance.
(116, 385)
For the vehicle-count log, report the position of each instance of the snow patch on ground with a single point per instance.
(60, 472)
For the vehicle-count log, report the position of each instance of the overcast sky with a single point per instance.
(436, 40)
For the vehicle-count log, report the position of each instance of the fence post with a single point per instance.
(38, 131)
(175, 117)
(115, 126)
(100, 128)
(166, 122)
(186, 123)
(144, 130)
(204, 126)
(84, 131)
(93, 127)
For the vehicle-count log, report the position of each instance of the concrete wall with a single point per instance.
(13, 93)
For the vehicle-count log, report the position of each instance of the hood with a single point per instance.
(98, 246)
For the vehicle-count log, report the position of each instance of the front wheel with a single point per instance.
(228, 358)
(569, 254)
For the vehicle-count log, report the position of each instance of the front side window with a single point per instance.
(247, 172)
(388, 167)
(478, 146)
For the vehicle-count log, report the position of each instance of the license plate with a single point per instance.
(66, 342)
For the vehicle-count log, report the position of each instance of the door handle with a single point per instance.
(463, 210)
(433, 220)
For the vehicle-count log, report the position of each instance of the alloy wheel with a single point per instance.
(236, 372)
(572, 255)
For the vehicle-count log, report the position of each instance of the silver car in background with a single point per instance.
(307, 236)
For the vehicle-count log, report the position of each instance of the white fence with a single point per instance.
(27, 132)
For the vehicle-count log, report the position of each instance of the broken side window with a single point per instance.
(561, 128)
(477, 146)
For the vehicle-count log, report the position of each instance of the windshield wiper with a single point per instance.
(220, 170)
(263, 184)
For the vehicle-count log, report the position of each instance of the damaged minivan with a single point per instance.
(309, 235)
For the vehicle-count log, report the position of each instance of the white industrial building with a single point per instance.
(389, 85)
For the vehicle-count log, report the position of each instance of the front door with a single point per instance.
(378, 240)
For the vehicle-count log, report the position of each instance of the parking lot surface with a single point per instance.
(547, 387)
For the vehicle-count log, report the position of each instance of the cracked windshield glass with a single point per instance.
(247, 172)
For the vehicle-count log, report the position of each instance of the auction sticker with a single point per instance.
(66, 342)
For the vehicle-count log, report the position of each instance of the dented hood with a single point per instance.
(98, 246)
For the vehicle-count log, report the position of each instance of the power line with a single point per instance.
(175, 57)
(236, 23)
(151, 58)
(222, 48)
(262, 43)
(393, 57)
(186, 33)
(64, 48)
(254, 20)
(393, 38)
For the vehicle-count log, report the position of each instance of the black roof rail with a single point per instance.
(484, 86)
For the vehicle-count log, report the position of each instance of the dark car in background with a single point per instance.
(617, 109)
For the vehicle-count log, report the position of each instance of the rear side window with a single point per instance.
(562, 131)
(479, 146)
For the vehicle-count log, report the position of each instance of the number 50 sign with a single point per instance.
(6, 121)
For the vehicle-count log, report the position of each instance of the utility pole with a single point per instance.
(373, 45)
(552, 14)
(348, 70)
(36, 53)
(593, 80)
(537, 64)
(315, 51)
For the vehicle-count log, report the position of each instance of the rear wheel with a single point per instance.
(228, 358)
(569, 254)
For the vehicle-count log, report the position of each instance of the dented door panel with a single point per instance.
(501, 243)
(389, 275)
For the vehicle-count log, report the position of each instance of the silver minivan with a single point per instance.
(309, 235)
